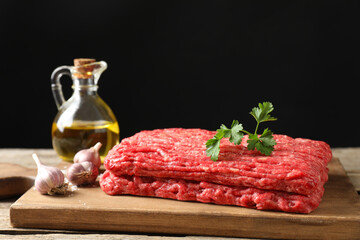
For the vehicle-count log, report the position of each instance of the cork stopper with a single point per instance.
(83, 69)
(82, 61)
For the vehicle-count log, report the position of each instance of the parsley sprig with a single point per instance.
(264, 143)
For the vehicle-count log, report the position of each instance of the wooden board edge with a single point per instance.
(185, 224)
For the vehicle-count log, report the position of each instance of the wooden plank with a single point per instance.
(355, 180)
(15, 179)
(349, 158)
(337, 217)
(107, 236)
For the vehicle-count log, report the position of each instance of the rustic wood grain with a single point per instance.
(108, 237)
(350, 159)
(15, 179)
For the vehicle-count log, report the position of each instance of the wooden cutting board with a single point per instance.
(15, 179)
(337, 217)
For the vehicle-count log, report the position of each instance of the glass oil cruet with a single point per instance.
(84, 119)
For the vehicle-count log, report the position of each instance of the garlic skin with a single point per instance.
(89, 155)
(49, 180)
(82, 173)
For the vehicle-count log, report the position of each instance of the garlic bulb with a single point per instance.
(49, 180)
(89, 155)
(82, 173)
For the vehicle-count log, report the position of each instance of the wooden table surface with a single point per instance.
(349, 157)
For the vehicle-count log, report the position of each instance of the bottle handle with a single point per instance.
(56, 85)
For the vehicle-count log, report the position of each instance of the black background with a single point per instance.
(193, 64)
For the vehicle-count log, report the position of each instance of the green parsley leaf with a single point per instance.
(213, 148)
(264, 149)
(261, 113)
(264, 143)
(226, 131)
(267, 138)
(236, 134)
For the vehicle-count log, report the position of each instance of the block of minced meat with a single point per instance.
(206, 192)
(296, 167)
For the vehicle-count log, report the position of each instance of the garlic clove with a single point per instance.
(49, 180)
(82, 173)
(89, 155)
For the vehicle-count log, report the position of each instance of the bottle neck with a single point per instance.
(84, 86)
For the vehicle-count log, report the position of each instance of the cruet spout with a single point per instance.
(88, 70)
(84, 68)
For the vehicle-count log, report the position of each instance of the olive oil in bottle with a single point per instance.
(84, 119)
(67, 141)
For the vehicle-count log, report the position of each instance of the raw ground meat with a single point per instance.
(296, 168)
(206, 192)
